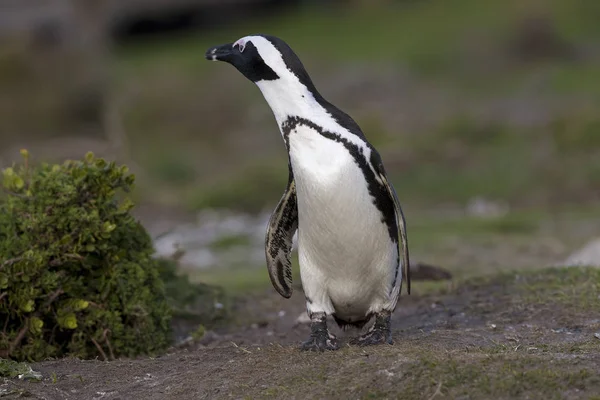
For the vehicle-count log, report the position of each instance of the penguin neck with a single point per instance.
(290, 98)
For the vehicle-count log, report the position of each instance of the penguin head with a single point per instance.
(262, 58)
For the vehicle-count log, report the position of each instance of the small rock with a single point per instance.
(386, 373)
(30, 375)
(184, 342)
(303, 318)
(597, 335)
(589, 255)
(195, 242)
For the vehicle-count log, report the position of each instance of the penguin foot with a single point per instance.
(320, 338)
(320, 343)
(380, 332)
(373, 337)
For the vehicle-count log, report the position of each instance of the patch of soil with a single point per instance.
(513, 336)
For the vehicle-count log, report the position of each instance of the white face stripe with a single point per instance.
(288, 97)
(241, 44)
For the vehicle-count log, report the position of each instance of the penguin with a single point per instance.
(352, 242)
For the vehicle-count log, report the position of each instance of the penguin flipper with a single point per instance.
(278, 244)
(401, 223)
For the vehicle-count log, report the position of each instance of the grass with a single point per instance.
(257, 187)
(177, 108)
(459, 362)
(538, 370)
(224, 243)
(522, 359)
(515, 164)
(574, 79)
(570, 288)
(505, 376)
(538, 167)
(350, 34)
(240, 281)
(431, 38)
(459, 157)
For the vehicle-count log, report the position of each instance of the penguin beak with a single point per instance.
(221, 53)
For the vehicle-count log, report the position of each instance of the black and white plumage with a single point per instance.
(352, 244)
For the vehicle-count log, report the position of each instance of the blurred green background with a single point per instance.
(476, 106)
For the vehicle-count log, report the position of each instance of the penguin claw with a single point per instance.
(320, 343)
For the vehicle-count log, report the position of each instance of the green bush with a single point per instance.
(76, 273)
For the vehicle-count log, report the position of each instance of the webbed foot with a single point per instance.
(380, 332)
(319, 343)
(320, 338)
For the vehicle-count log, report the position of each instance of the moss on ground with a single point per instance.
(568, 288)
(410, 371)
(499, 376)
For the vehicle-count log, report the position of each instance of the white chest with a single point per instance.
(317, 160)
(328, 179)
(335, 209)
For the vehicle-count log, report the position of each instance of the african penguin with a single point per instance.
(352, 245)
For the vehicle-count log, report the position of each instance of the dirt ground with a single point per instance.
(530, 335)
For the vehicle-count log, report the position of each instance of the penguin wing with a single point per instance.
(401, 223)
(278, 244)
